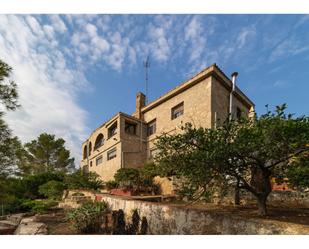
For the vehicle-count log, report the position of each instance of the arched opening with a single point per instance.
(99, 141)
(90, 148)
(85, 152)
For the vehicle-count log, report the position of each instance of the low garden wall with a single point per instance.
(170, 219)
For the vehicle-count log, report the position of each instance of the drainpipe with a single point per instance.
(234, 75)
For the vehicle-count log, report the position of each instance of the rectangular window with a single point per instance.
(177, 111)
(111, 154)
(98, 160)
(112, 130)
(151, 127)
(130, 128)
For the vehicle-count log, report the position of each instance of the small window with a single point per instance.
(238, 113)
(151, 128)
(99, 141)
(98, 160)
(112, 130)
(130, 128)
(90, 163)
(111, 154)
(177, 111)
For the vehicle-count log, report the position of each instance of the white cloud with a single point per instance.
(58, 23)
(159, 45)
(244, 36)
(47, 86)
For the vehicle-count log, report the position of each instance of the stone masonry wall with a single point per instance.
(168, 219)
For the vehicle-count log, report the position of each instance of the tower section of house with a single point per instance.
(205, 100)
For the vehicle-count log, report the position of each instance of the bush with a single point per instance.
(32, 183)
(89, 217)
(38, 206)
(111, 184)
(128, 177)
(82, 180)
(52, 189)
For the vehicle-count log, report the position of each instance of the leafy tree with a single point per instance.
(298, 173)
(44, 154)
(128, 177)
(9, 147)
(32, 183)
(82, 180)
(52, 189)
(8, 98)
(8, 88)
(247, 152)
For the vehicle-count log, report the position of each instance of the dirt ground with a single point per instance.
(286, 214)
(57, 223)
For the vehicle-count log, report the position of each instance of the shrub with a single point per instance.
(89, 217)
(82, 180)
(52, 189)
(32, 183)
(111, 184)
(38, 206)
(128, 177)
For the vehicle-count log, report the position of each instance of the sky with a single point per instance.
(74, 72)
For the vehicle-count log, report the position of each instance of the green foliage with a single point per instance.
(127, 177)
(111, 184)
(248, 151)
(141, 178)
(83, 180)
(52, 189)
(44, 154)
(8, 88)
(9, 147)
(298, 173)
(32, 183)
(89, 217)
(38, 206)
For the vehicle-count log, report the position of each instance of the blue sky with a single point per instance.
(76, 71)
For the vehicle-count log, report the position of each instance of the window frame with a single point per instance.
(113, 126)
(177, 114)
(97, 159)
(114, 150)
(152, 123)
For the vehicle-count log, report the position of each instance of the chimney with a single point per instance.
(234, 75)
(140, 103)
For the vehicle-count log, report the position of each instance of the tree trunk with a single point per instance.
(262, 205)
(237, 194)
(260, 181)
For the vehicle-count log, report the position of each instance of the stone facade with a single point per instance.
(165, 219)
(202, 100)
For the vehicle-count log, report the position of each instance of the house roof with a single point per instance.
(213, 70)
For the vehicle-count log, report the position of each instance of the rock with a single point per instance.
(29, 226)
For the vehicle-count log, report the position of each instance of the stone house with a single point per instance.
(127, 141)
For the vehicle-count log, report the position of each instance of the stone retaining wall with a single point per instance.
(169, 219)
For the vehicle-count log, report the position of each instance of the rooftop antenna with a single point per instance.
(147, 66)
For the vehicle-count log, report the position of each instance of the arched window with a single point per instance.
(85, 152)
(99, 141)
(90, 148)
